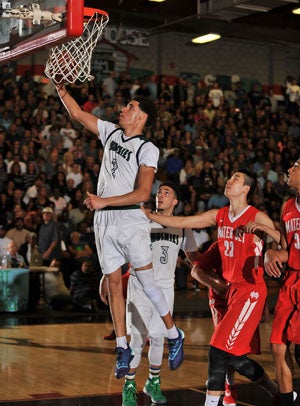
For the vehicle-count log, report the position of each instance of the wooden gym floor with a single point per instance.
(60, 358)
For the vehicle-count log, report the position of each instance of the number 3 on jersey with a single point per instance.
(164, 254)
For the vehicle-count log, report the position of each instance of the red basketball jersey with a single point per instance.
(291, 219)
(242, 259)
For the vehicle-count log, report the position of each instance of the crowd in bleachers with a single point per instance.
(204, 133)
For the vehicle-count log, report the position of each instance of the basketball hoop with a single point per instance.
(71, 61)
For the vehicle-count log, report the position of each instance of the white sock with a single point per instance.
(173, 332)
(211, 400)
(122, 342)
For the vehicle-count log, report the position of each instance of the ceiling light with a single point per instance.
(157, 1)
(206, 38)
(296, 11)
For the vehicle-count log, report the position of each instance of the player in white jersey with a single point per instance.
(122, 232)
(142, 318)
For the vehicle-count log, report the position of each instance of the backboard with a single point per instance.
(27, 26)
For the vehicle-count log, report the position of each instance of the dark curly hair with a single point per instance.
(148, 107)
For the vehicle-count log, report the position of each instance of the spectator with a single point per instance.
(68, 135)
(60, 202)
(85, 286)
(174, 165)
(180, 91)
(59, 182)
(4, 241)
(48, 238)
(241, 97)
(216, 95)
(109, 85)
(152, 86)
(57, 294)
(16, 162)
(79, 250)
(293, 93)
(77, 214)
(31, 191)
(255, 96)
(30, 175)
(16, 175)
(14, 260)
(40, 201)
(17, 199)
(90, 104)
(75, 174)
(18, 233)
(28, 248)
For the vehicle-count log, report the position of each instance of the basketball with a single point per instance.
(64, 68)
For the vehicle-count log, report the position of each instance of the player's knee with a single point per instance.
(146, 279)
(246, 367)
(153, 293)
(216, 369)
(157, 342)
(216, 381)
(156, 351)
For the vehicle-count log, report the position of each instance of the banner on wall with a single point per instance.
(126, 36)
(14, 287)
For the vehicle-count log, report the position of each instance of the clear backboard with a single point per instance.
(27, 27)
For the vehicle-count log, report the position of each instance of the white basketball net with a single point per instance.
(71, 61)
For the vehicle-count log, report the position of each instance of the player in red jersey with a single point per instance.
(240, 231)
(207, 270)
(286, 323)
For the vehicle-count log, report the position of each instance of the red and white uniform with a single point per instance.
(242, 263)
(286, 324)
(211, 259)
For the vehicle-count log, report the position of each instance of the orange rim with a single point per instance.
(89, 12)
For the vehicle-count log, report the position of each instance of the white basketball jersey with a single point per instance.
(166, 244)
(121, 159)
